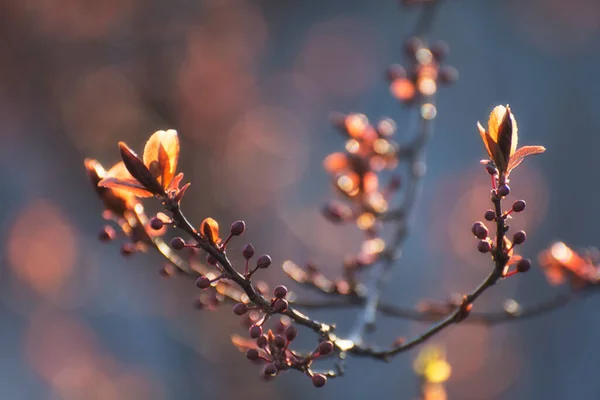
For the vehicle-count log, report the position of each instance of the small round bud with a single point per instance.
(263, 261)
(319, 380)
(107, 234)
(481, 231)
(440, 50)
(280, 305)
(177, 243)
(484, 246)
(448, 75)
(490, 215)
(270, 369)
(255, 331)
(519, 237)
(156, 223)
(291, 332)
(210, 260)
(524, 265)
(396, 71)
(252, 354)
(504, 190)
(519, 205)
(280, 292)
(237, 228)
(248, 251)
(491, 169)
(412, 45)
(325, 348)
(203, 282)
(240, 309)
(279, 341)
(262, 341)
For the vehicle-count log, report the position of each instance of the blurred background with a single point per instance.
(249, 84)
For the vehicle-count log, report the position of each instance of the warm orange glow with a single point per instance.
(427, 86)
(335, 162)
(365, 221)
(403, 89)
(356, 125)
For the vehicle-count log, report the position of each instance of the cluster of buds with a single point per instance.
(560, 263)
(420, 81)
(272, 350)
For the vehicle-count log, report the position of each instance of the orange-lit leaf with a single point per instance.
(523, 152)
(243, 343)
(119, 178)
(138, 170)
(181, 192)
(163, 148)
(335, 162)
(210, 229)
(176, 181)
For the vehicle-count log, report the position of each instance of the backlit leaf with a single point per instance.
(210, 229)
(163, 149)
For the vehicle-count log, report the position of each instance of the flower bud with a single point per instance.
(127, 249)
(248, 251)
(480, 230)
(291, 332)
(255, 331)
(440, 50)
(519, 237)
(240, 309)
(504, 190)
(280, 305)
(519, 205)
(524, 265)
(325, 348)
(484, 246)
(252, 354)
(319, 380)
(237, 228)
(156, 223)
(270, 369)
(177, 243)
(280, 292)
(203, 282)
(263, 261)
(279, 341)
(262, 341)
(490, 215)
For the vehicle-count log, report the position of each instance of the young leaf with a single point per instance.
(210, 229)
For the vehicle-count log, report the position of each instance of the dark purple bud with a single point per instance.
(156, 223)
(279, 341)
(280, 305)
(255, 331)
(319, 380)
(490, 215)
(107, 234)
(489, 167)
(203, 282)
(291, 332)
(252, 354)
(412, 45)
(270, 369)
(262, 341)
(263, 261)
(240, 309)
(177, 243)
(503, 190)
(524, 265)
(237, 228)
(248, 251)
(448, 74)
(484, 246)
(519, 205)
(325, 348)
(280, 292)
(440, 50)
(396, 71)
(479, 230)
(519, 237)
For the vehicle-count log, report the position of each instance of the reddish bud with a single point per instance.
(325, 348)
(252, 354)
(484, 246)
(156, 223)
(519, 237)
(291, 332)
(519, 205)
(280, 305)
(280, 292)
(504, 190)
(412, 45)
(127, 249)
(248, 251)
(262, 341)
(203, 282)
(396, 72)
(255, 331)
(237, 228)
(524, 265)
(177, 243)
(480, 230)
(490, 215)
(263, 261)
(107, 234)
(240, 309)
(440, 50)
(319, 380)
(448, 74)
(279, 341)
(489, 167)
(270, 369)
